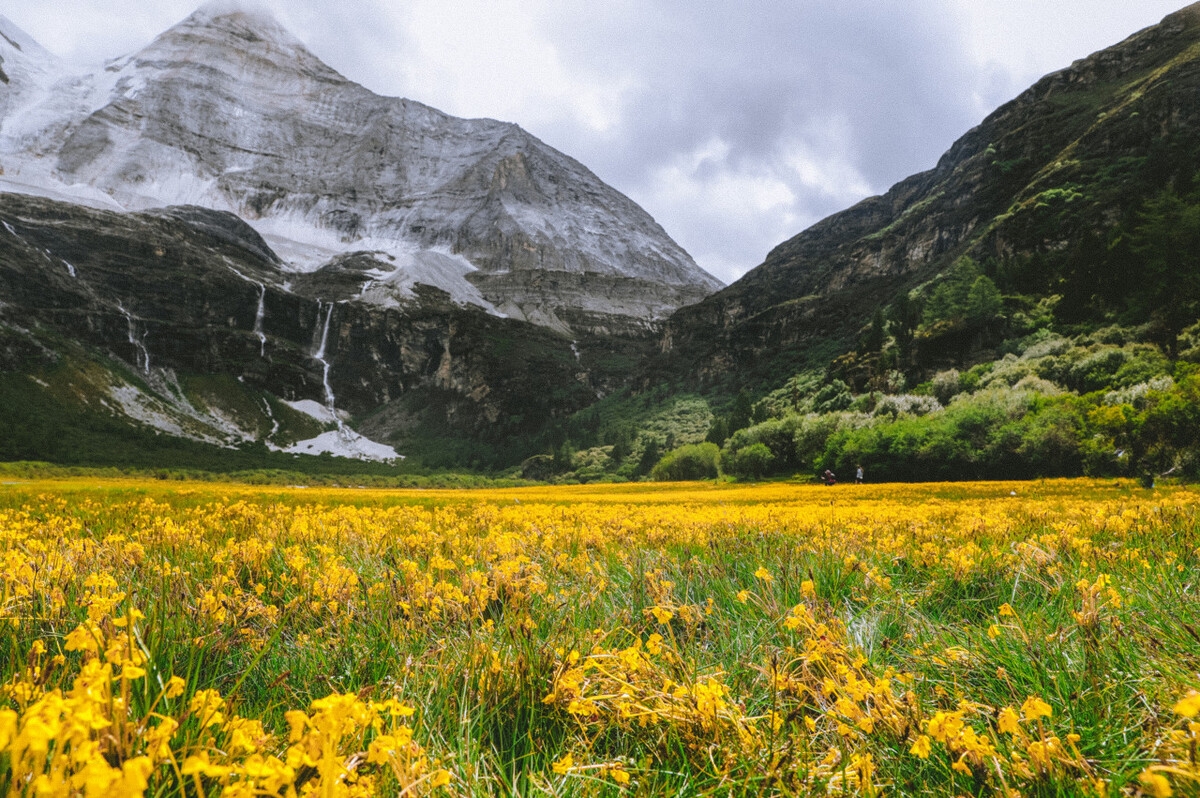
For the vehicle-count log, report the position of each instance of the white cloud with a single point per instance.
(494, 59)
(822, 162)
(1018, 41)
(708, 190)
(706, 178)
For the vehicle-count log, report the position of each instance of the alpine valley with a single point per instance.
(218, 251)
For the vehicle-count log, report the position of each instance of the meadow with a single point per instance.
(987, 638)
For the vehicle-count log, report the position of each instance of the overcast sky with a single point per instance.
(735, 123)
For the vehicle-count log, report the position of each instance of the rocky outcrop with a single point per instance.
(188, 292)
(229, 111)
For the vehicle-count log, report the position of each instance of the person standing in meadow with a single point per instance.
(858, 475)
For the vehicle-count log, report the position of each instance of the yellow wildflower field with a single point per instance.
(1027, 638)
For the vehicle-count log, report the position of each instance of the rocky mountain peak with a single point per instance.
(235, 33)
(1189, 12)
(24, 67)
(246, 12)
(15, 40)
(229, 111)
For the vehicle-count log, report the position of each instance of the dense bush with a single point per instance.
(962, 295)
(1101, 402)
(694, 461)
(997, 433)
(776, 435)
(753, 461)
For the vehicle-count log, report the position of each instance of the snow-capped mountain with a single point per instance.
(229, 111)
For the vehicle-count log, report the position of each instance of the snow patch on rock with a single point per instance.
(345, 442)
(441, 270)
(313, 409)
(341, 442)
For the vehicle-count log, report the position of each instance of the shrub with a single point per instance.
(694, 461)
(946, 385)
(776, 434)
(540, 467)
(752, 462)
(906, 404)
(997, 433)
(810, 439)
(834, 396)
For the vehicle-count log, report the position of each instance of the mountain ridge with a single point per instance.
(825, 281)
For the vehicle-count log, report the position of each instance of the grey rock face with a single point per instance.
(185, 295)
(228, 111)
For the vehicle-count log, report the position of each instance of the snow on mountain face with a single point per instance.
(23, 62)
(25, 68)
(228, 110)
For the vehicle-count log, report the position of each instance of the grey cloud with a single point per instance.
(883, 86)
(860, 92)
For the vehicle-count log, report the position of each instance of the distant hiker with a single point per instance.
(828, 477)
(858, 476)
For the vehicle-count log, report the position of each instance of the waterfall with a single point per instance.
(343, 442)
(259, 312)
(319, 356)
(270, 415)
(139, 345)
(258, 320)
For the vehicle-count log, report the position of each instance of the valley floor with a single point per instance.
(692, 638)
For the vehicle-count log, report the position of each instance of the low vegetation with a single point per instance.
(986, 638)
(1080, 362)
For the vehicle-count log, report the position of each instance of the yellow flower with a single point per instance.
(743, 596)
(619, 775)
(808, 589)
(565, 764)
(440, 778)
(1035, 707)
(921, 747)
(208, 706)
(1154, 784)
(945, 726)
(83, 638)
(1008, 721)
(8, 727)
(662, 615)
(763, 574)
(297, 722)
(199, 765)
(174, 687)
(1189, 705)
(993, 631)
(1006, 610)
(131, 672)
